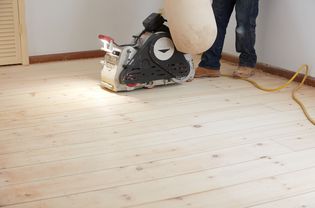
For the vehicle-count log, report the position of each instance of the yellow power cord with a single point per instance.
(294, 97)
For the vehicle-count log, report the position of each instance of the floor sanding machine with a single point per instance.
(150, 60)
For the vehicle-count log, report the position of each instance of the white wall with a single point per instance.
(285, 29)
(285, 33)
(57, 26)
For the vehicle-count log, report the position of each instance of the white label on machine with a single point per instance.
(111, 61)
(164, 49)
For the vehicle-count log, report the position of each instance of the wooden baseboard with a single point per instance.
(271, 69)
(66, 56)
(225, 56)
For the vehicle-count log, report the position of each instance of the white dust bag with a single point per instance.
(192, 24)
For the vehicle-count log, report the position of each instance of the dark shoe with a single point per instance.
(204, 72)
(243, 72)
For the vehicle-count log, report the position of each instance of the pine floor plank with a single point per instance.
(301, 201)
(297, 142)
(245, 194)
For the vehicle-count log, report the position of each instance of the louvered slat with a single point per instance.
(6, 26)
(9, 33)
(6, 21)
(7, 41)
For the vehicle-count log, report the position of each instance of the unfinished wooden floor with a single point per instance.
(210, 143)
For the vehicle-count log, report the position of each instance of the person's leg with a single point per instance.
(246, 15)
(211, 58)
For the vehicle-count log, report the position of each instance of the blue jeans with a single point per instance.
(246, 15)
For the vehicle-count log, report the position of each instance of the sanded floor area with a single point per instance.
(210, 143)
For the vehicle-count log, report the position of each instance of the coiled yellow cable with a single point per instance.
(295, 90)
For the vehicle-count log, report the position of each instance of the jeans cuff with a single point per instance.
(247, 65)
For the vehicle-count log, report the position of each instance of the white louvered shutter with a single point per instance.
(10, 43)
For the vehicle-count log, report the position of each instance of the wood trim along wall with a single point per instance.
(66, 56)
(225, 56)
(23, 33)
(271, 69)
